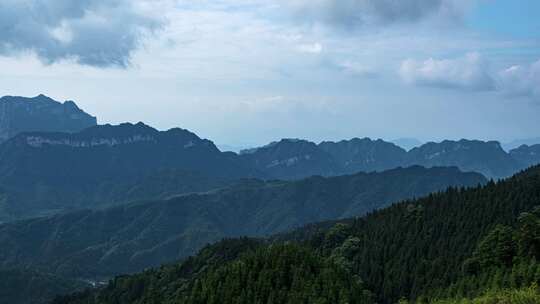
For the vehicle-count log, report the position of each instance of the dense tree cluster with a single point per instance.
(279, 274)
(271, 274)
(418, 246)
(507, 258)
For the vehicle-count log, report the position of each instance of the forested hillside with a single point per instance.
(452, 245)
(101, 243)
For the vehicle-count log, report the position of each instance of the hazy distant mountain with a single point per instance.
(132, 237)
(41, 113)
(527, 155)
(42, 173)
(407, 143)
(487, 158)
(364, 155)
(520, 142)
(292, 159)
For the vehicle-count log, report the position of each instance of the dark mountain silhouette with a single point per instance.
(41, 113)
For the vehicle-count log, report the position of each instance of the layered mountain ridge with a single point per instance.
(132, 237)
(44, 173)
(291, 159)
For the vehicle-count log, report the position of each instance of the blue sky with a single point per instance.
(518, 18)
(246, 72)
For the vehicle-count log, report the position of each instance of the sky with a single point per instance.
(246, 72)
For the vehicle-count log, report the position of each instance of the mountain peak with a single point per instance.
(43, 97)
(40, 114)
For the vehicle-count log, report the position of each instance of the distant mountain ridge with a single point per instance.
(58, 167)
(42, 172)
(529, 155)
(487, 158)
(288, 159)
(291, 159)
(364, 155)
(40, 113)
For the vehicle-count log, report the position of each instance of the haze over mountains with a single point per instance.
(43, 173)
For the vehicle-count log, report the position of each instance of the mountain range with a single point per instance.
(92, 244)
(44, 173)
(292, 158)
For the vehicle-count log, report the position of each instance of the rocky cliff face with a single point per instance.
(40, 114)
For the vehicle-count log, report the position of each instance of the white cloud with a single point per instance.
(469, 72)
(314, 48)
(357, 69)
(519, 80)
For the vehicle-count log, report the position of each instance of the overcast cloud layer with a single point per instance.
(246, 72)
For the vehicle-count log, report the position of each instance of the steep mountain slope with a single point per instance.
(42, 173)
(412, 250)
(527, 155)
(364, 155)
(92, 244)
(41, 113)
(291, 159)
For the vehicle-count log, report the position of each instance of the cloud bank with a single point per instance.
(357, 13)
(468, 72)
(98, 33)
(471, 72)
